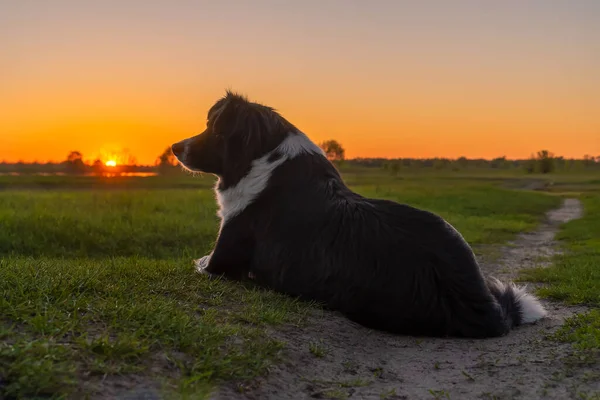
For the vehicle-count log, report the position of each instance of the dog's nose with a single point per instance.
(178, 148)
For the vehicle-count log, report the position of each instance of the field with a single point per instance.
(99, 297)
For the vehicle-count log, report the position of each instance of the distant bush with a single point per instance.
(333, 150)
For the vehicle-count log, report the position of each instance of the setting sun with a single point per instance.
(111, 163)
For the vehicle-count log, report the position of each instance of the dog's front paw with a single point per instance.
(201, 265)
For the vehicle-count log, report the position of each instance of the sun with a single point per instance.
(111, 163)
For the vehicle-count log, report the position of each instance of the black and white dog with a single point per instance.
(290, 223)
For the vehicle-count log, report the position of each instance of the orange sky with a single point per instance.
(388, 78)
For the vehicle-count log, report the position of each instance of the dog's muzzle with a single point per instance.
(178, 149)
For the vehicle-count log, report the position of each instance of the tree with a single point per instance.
(499, 162)
(462, 162)
(98, 167)
(74, 163)
(545, 161)
(588, 160)
(74, 156)
(166, 161)
(333, 150)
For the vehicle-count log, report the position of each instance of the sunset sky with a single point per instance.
(385, 78)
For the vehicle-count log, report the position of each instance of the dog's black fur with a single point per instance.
(385, 265)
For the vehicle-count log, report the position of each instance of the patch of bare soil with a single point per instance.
(332, 357)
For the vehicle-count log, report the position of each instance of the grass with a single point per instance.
(574, 278)
(317, 349)
(439, 394)
(583, 330)
(97, 289)
(80, 319)
(75, 182)
(93, 224)
(166, 223)
(337, 389)
(388, 394)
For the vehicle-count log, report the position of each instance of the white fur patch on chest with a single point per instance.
(235, 199)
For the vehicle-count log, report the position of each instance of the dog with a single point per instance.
(290, 223)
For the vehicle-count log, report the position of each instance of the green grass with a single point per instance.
(154, 223)
(583, 330)
(317, 349)
(80, 319)
(574, 278)
(75, 182)
(165, 223)
(97, 286)
(337, 389)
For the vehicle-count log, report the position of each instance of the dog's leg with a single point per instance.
(231, 256)
(202, 263)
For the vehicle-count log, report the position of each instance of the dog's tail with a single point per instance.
(519, 306)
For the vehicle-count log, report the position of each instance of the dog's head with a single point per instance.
(237, 132)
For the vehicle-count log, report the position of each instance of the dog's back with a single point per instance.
(383, 264)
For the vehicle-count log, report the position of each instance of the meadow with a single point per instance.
(98, 292)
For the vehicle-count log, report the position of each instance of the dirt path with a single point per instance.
(359, 363)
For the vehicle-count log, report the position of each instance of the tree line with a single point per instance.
(543, 162)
